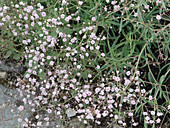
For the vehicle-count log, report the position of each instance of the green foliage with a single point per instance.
(131, 37)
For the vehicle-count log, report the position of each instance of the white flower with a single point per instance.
(39, 123)
(1, 14)
(97, 47)
(105, 113)
(74, 80)
(116, 117)
(21, 3)
(107, 1)
(168, 107)
(130, 114)
(80, 2)
(147, 118)
(152, 112)
(128, 73)
(93, 19)
(67, 54)
(158, 17)
(143, 91)
(89, 76)
(159, 114)
(78, 66)
(136, 14)
(37, 116)
(145, 113)
(103, 54)
(158, 121)
(17, 6)
(98, 67)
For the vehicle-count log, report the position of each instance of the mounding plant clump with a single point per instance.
(103, 62)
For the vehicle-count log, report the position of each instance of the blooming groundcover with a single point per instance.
(104, 61)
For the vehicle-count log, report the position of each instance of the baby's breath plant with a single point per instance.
(96, 58)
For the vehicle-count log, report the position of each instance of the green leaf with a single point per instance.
(120, 27)
(162, 79)
(150, 77)
(145, 125)
(137, 109)
(17, 56)
(8, 54)
(84, 75)
(140, 16)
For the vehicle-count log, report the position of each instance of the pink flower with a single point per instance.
(93, 19)
(107, 1)
(102, 54)
(158, 121)
(80, 2)
(98, 67)
(39, 23)
(117, 79)
(78, 18)
(62, 16)
(146, 6)
(135, 124)
(128, 73)
(74, 80)
(147, 118)
(159, 114)
(137, 72)
(145, 113)
(110, 101)
(113, 2)
(116, 117)
(19, 119)
(150, 98)
(137, 90)
(120, 122)
(43, 14)
(127, 82)
(168, 107)
(32, 23)
(67, 19)
(39, 123)
(27, 75)
(51, 63)
(39, 4)
(114, 77)
(136, 14)
(133, 102)
(110, 106)
(86, 101)
(20, 108)
(105, 113)
(143, 91)
(49, 111)
(97, 90)
(89, 76)
(46, 118)
(130, 114)
(25, 18)
(107, 89)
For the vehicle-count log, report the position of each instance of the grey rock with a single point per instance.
(8, 101)
(70, 112)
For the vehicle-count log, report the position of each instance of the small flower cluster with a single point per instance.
(65, 53)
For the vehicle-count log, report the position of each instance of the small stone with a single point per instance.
(3, 75)
(70, 112)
